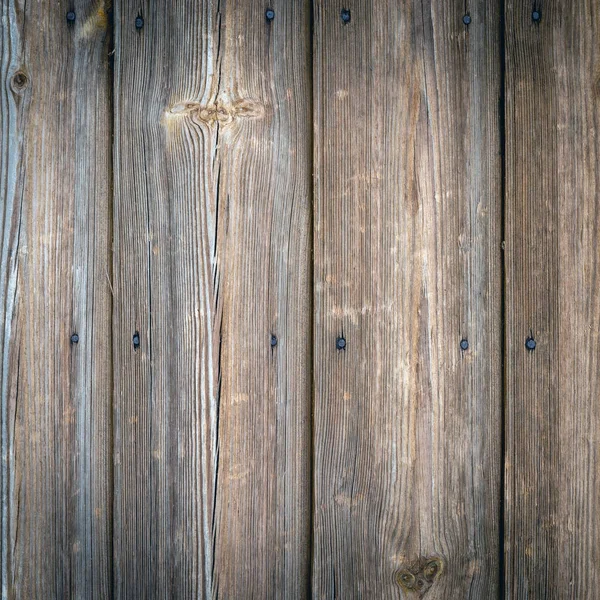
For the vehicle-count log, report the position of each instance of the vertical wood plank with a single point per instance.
(212, 255)
(408, 217)
(263, 502)
(55, 223)
(552, 261)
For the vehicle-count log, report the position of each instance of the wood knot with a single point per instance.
(222, 111)
(19, 82)
(419, 576)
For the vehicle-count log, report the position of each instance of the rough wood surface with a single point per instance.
(552, 523)
(212, 259)
(55, 223)
(162, 212)
(407, 426)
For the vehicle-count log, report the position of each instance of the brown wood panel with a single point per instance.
(54, 282)
(212, 259)
(407, 427)
(552, 524)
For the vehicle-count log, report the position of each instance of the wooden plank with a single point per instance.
(55, 223)
(407, 426)
(211, 258)
(552, 262)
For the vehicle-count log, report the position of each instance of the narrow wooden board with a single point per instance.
(212, 259)
(552, 273)
(407, 427)
(54, 282)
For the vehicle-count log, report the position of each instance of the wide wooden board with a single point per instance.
(211, 260)
(54, 283)
(407, 427)
(552, 524)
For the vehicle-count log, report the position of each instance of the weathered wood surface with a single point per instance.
(162, 212)
(54, 281)
(552, 270)
(212, 259)
(407, 426)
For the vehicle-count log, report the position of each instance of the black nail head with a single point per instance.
(345, 15)
(530, 344)
(136, 340)
(273, 341)
(467, 20)
(139, 22)
(536, 15)
(71, 17)
(74, 339)
(464, 344)
(269, 14)
(340, 343)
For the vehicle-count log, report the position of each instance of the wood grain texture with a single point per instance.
(212, 258)
(407, 427)
(55, 223)
(185, 404)
(552, 525)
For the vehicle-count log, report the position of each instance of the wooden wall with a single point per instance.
(300, 299)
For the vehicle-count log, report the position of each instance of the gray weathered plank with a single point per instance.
(54, 281)
(407, 427)
(211, 258)
(552, 524)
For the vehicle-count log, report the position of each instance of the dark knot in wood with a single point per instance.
(19, 81)
(419, 577)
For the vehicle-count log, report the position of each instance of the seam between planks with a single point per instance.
(110, 266)
(312, 303)
(503, 327)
